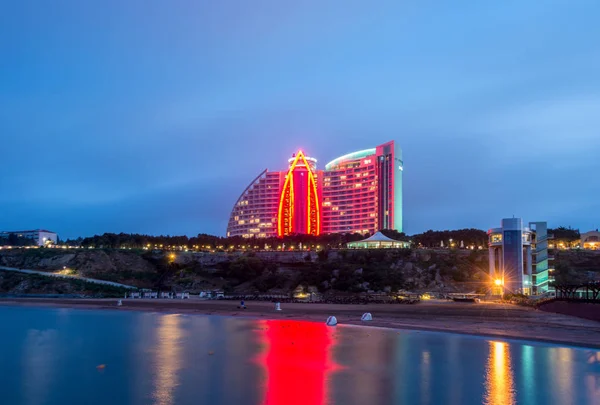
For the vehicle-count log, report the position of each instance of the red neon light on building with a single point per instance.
(299, 200)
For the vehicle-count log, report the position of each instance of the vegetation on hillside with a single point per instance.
(469, 237)
(565, 236)
(392, 270)
(576, 267)
(203, 241)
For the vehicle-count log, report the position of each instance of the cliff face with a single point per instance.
(264, 271)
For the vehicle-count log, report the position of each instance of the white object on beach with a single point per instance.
(366, 317)
(119, 303)
(331, 321)
(277, 306)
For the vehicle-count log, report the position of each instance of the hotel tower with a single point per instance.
(357, 192)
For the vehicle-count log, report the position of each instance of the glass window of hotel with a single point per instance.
(496, 237)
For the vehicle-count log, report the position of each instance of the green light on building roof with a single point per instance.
(350, 156)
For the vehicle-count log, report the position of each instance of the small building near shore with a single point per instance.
(211, 294)
(590, 240)
(378, 241)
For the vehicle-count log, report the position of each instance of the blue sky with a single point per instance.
(152, 116)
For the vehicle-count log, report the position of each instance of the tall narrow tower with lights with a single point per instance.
(299, 210)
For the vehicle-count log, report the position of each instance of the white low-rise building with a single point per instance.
(40, 236)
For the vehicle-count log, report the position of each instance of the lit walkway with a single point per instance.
(48, 274)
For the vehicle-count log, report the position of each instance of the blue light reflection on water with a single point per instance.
(51, 356)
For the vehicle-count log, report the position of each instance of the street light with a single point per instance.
(498, 281)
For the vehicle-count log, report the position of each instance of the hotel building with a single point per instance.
(519, 259)
(255, 211)
(358, 192)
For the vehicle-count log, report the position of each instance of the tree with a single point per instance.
(13, 239)
(565, 236)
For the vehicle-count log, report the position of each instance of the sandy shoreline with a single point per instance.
(484, 319)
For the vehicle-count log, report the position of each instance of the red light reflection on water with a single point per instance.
(297, 361)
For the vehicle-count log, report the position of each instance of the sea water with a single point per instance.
(69, 356)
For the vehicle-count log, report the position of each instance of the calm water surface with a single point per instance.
(54, 356)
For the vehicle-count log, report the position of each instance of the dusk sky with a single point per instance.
(152, 116)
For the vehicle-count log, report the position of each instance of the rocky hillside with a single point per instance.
(277, 272)
(353, 271)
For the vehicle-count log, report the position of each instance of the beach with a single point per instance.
(485, 319)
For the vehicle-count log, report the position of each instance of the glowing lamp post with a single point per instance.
(498, 286)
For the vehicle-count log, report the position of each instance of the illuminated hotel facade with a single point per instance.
(358, 192)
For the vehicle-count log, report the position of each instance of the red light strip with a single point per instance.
(280, 230)
(289, 182)
(291, 210)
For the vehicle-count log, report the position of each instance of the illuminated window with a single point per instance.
(326, 204)
(497, 237)
(367, 161)
(241, 222)
(358, 185)
(236, 218)
(343, 177)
